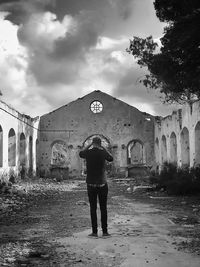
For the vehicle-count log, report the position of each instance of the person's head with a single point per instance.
(96, 141)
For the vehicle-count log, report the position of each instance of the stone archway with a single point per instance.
(37, 156)
(197, 144)
(61, 159)
(185, 147)
(173, 148)
(163, 149)
(30, 153)
(59, 154)
(11, 148)
(22, 149)
(157, 150)
(105, 143)
(135, 152)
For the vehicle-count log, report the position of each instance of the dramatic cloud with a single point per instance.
(54, 48)
(57, 48)
(20, 10)
(54, 51)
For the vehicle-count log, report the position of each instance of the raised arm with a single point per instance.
(108, 155)
(83, 152)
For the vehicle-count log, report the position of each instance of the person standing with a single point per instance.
(97, 186)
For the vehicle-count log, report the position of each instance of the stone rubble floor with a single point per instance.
(46, 223)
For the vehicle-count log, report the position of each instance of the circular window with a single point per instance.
(96, 106)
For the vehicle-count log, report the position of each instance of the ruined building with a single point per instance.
(50, 145)
(18, 141)
(177, 137)
(126, 131)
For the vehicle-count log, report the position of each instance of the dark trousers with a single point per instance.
(101, 193)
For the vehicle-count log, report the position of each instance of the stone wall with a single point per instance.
(133, 137)
(124, 130)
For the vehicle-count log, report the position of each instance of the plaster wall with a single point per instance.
(20, 123)
(118, 122)
(182, 120)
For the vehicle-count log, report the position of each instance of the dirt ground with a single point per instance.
(48, 225)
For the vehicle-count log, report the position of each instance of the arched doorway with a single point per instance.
(105, 143)
(11, 148)
(30, 153)
(157, 150)
(135, 152)
(1, 146)
(197, 144)
(163, 149)
(173, 148)
(37, 156)
(185, 147)
(59, 154)
(22, 149)
(61, 159)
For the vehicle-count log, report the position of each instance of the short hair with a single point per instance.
(96, 140)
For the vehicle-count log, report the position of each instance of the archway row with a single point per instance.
(184, 145)
(12, 148)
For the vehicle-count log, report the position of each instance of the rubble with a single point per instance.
(82, 202)
(18, 195)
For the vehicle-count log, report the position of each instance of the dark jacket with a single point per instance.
(95, 163)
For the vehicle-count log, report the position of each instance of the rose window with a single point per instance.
(96, 106)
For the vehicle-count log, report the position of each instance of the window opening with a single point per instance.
(96, 106)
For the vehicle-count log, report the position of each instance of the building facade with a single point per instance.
(50, 145)
(127, 132)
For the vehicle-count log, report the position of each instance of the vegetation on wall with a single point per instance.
(177, 181)
(174, 69)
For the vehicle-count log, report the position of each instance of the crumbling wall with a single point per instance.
(73, 124)
(182, 132)
(18, 134)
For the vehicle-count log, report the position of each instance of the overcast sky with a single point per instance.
(55, 51)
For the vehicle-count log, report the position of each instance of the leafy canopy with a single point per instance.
(175, 68)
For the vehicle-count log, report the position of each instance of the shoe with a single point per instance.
(106, 234)
(93, 235)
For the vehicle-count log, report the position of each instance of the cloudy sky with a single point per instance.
(54, 51)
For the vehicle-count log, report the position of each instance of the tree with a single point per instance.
(175, 68)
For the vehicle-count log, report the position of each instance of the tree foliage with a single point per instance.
(175, 68)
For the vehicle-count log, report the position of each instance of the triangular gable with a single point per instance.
(97, 93)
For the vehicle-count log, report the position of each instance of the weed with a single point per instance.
(177, 181)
